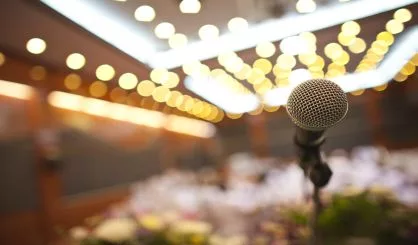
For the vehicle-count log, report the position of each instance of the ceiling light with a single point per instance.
(237, 25)
(36, 46)
(177, 40)
(75, 61)
(98, 89)
(2, 59)
(72, 81)
(394, 26)
(164, 30)
(358, 46)
(105, 72)
(402, 15)
(305, 6)
(144, 13)
(190, 6)
(145, 88)
(350, 28)
(265, 49)
(208, 32)
(128, 81)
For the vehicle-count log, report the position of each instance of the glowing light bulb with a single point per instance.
(36, 46)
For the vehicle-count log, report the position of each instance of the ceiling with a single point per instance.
(21, 20)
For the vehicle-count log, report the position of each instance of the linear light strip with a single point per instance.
(99, 22)
(218, 94)
(403, 50)
(15, 90)
(277, 29)
(131, 114)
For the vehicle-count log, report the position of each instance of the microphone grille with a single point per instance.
(317, 104)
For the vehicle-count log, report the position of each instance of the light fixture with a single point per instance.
(105, 72)
(36, 46)
(144, 13)
(128, 81)
(15, 90)
(177, 41)
(145, 88)
(305, 6)
(190, 6)
(208, 33)
(98, 89)
(265, 49)
(164, 30)
(237, 25)
(72, 81)
(75, 61)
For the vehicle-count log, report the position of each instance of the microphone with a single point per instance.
(314, 106)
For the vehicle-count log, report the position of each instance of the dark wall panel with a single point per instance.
(18, 176)
(90, 164)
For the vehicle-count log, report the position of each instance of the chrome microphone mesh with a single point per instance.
(317, 104)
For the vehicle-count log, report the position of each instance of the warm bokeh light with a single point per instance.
(105, 72)
(408, 69)
(237, 25)
(37, 73)
(256, 76)
(345, 40)
(350, 28)
(191, 67)
(2, 59)
(75, 61)
(358, 92)
(318, 65)
(233, 116)
(190, 6)
(172, 80)
(308, 36)
(72, 81)
(159, 75)
(190, 126)
(414, 59)
(208, 32)
(15, 90)
(333, 50)
(271, 108)
(128, 81)
(145, 88)
(161, 94)
(379, 47)
(381, 87)
(305, 6)
(402, 15)
(36, 46)
(307, 59)
(343, 59)
(264, 65)
(394, 26)
(263, 87)
(118, 95)
(298, 76)
(244, 72)
(265, 49)
(387, 37)
(144, 13)
(286, 62)
(177, 40)
(98, 89)
(400, 77)
(164, 30)
(176, 98)
(358, 46)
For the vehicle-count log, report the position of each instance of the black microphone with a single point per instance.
(314, 106)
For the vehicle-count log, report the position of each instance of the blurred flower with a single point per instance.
(116, 230)
(151, 222)
(78, 233)
(191, 227)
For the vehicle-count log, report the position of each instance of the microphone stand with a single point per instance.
(310, 160)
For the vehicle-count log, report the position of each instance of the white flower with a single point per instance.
(191, 227)
(78, 233)
(116, 230)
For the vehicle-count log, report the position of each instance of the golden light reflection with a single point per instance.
(244, 73)
(256, 76)
(98, 89)
(350, 28)
(400, 77)
(118, 95)
(72, 81)
(172, 80)
(37, 73)
(402, 15)
(36, 46)
(381, 87)
(264, 65)
(408, 69)
(286, 62)
(159, 75)
(387, 37)
(345, 40)
(394, 26)
(233, 116)
(357, 46)
(2, 59)
(271, 108)
(161, 94)
(105, 72)
(358, 92)
(265, 49)
(128, 81)
(177, 40)
(75, 61)
(145, 88)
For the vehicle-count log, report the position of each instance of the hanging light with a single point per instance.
(190, 6)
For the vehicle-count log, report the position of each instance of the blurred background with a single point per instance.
(164, 121)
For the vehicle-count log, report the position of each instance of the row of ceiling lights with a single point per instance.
(158, 87)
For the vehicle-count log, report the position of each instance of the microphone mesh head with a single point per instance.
(317, 104)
